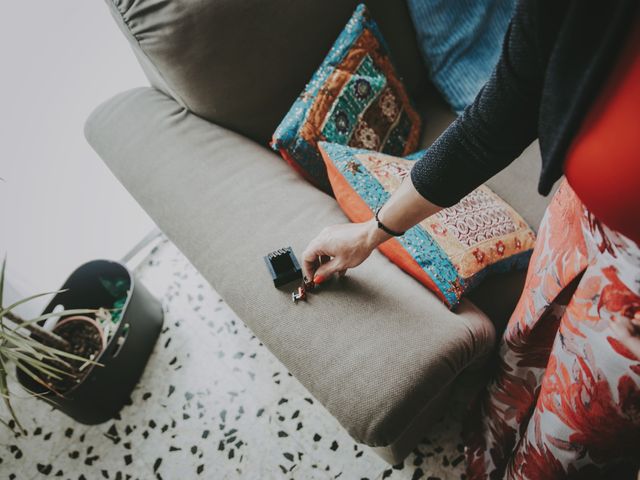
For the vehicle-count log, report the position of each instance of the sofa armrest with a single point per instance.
(374, 348)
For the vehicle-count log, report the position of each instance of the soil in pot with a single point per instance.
(85, 340)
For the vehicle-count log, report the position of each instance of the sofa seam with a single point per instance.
(131, 36)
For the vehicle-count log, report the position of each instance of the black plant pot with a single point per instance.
(106, 389)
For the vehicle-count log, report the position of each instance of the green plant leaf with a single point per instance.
(15, 340)
(63, 354)
(2, 270)
(35, 361)
(55, 354)
(4, 266)
(62, 313)
(6, 424)
(116, 288)
(4, 389)
(41, 350)
(31, 375)
(38, 366)
(28, 299)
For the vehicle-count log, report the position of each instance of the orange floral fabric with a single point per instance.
(565, 399)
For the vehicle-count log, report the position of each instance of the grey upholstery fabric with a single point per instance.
(241, 64)
(375, 348)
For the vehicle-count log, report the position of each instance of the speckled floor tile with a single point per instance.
(212, 403)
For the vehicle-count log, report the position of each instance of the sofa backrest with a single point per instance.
(242, 63)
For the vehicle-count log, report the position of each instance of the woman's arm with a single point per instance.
(490, 134)
(503, 119)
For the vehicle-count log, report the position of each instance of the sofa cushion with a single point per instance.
(241, 63)
(460, 41)
(375, 348)
(354, 98)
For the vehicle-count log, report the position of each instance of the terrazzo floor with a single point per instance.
(213, 403)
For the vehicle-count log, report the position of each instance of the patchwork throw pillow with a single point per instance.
(449, 252)
(355, 98)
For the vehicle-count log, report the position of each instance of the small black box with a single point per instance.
(283, 266)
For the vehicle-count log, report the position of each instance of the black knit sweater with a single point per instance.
(555, 57)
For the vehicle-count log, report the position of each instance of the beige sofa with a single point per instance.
(376, 348)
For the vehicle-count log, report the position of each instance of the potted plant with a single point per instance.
(86, 351)
(37, 352)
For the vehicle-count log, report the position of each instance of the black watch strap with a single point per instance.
(385, 229)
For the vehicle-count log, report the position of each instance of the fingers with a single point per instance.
(319, 259)
(323, 274)
(313, 266)
(315, 254)
(309, 265)
(326, 269)
(311, 259)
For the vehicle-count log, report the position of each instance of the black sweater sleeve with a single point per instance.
(499, 124)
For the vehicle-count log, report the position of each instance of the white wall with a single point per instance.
(59, 204)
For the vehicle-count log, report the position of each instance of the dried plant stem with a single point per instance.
(37, 331)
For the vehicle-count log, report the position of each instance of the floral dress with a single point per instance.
(565, 399)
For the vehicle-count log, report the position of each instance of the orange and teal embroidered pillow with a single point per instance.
(355, 98)
(449, 252)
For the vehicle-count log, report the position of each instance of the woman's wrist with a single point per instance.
(374, 235)
(404, 209)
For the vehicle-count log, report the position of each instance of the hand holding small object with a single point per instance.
(340, 247)
(348, 245)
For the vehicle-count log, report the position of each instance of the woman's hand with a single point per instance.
(340, 247)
